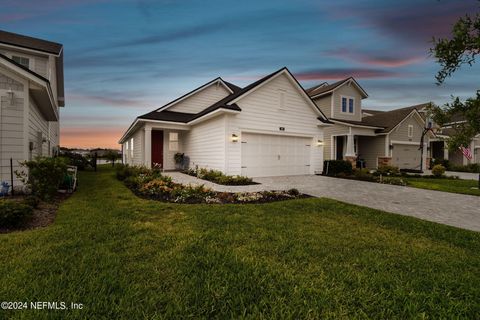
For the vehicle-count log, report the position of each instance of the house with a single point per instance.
(439, 148)
(31, 94)
(268, 128)
(375, 137)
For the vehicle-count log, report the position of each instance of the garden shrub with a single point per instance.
(74, 159)
(219, 177)
(44, 176)
(394, 180)
(444, 162)
(438, 170)
(336, 168)
(388, 171)
(472, 167)
(191, 194)
(364, 175)
(14, 213)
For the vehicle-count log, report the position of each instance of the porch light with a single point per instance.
(234, 137)
(390, 147)
(319, 143)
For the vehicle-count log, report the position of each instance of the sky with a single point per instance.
(125, 58)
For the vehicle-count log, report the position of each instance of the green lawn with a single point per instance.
(448, 185)
(127, 258)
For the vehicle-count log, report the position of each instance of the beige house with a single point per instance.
(368, 137)
(31, 94)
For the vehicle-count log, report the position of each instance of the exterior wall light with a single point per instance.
(319, 143)
(390, 147)
(234, 138)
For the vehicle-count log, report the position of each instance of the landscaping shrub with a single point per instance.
(44, 176)
(74, 159)
(293, 192)
(335, 168)
(394, 180)
(443, 162)
(14, 213)
(364, 175)
(388, 171)
(472, 167)
(123, 171)
(219, 177)
(191, 194)
(438, 170)
(32, 201)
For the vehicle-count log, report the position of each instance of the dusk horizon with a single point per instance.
(127, 58)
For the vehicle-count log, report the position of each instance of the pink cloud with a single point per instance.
(337, 74)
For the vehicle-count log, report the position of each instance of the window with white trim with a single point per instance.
(22, 61)
(410, 131)
(348, 105)
(173, 141)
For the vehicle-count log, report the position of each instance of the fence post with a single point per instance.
(11, 175)
(95, 160)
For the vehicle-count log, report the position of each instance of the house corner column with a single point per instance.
(350, 150)
(148, 147)
(425, 165)
(445, 150)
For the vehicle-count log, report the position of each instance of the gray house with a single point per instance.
(375, 137)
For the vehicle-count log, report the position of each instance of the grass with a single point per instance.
(128, 258)
(447, 185)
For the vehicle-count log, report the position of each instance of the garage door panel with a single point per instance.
(406, 156)
(274, 155)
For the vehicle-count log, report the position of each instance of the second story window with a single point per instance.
(348, 105)
(22, 60)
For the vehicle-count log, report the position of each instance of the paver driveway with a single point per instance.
(448, 208)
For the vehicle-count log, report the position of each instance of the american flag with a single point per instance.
(466, 152)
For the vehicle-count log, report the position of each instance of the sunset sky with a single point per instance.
(125, 58)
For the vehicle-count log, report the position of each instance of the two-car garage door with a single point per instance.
(406, 156)
(275, 155)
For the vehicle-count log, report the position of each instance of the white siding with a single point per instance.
(201, 99)
(138, 146)
(168, 155)
(37, 125)
(261, 113)
(205, 144)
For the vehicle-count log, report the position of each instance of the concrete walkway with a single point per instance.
(453, 209)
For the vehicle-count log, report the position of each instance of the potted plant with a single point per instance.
(179, 160)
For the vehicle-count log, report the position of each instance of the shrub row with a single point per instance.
(219, 177)
(473, 167)
(152, 184)
(14, 213)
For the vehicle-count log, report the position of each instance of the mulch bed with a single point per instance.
(42, 216)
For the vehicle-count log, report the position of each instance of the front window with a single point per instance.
(22, 61)
(348, 105)
(173, 141)
(410, 131)
(131, 147)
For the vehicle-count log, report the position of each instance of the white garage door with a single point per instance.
(406, 156)
(272, 155)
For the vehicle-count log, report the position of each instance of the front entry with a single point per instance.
(157, 148)
(339, 147)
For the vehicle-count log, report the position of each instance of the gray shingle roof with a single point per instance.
(30, 42)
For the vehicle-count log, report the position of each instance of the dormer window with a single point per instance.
(348, 104)
(22, 61)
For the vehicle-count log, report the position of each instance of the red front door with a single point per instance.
(157, 148)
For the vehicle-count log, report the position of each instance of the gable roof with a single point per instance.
(316, 88)
(4, 57)
(372, 112)
(390, 119)
(44, 46)
(229, 86)
(26, 42)
(321, 90)
(227, 104)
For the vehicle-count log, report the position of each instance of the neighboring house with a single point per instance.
(31, 92)
(439, 148)
(376, 137)
(268, 128)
